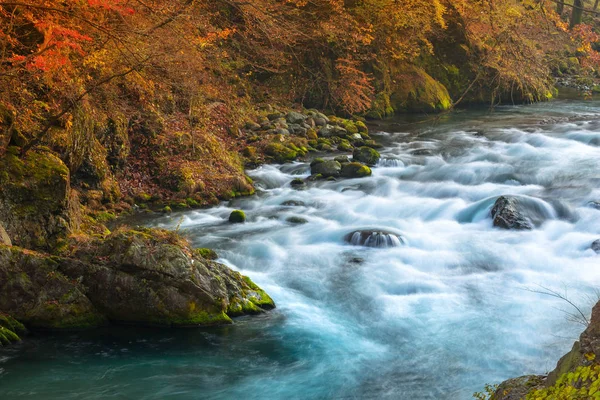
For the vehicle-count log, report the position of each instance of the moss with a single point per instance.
(237, 217)
(105, 216)
(366, 155)
(143, 197)
(355, 170)
(345, 146)
(250, 152)
(296, 220)
(207, 254)
(349, 126)
(192, 203)
(280, 153)
(362, 127)
(167, 210)
(260, 298)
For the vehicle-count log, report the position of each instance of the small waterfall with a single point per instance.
(378, 239)
(390, 163)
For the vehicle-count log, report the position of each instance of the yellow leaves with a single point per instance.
(513, 12)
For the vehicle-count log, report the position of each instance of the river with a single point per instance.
(456, 306)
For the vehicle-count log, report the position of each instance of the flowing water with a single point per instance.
(448, 305)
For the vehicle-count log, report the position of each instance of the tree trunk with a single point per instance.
(560, 7)
(577, 14)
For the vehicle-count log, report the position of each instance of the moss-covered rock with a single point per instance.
(207, 254)
(37, 207)
(366, 155)
(237, 217)
(280, 153)
(37, 293)
(325, 168)
(355, 170)
(153, 277)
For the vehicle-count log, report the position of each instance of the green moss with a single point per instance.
(167, 210)
(349, 126)
(356, 170)
(366, 155)
(280, 153)
(261, 299)
(237, 217)
(105, 216)
(207, 254)
(362, 127)
(192, 203)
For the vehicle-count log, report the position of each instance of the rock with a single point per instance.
(345, 146)
(518, 388)
(144, 276)
(280, 153)
(594, 204)
(327, 131)
(294, 117)
(237, 217)
(253, 126)
(355, 170)
(297, 183)
(342, 160)
(366, 155)
(275, 115)
(34, 290)
(596, 246)
(153, 277)
(4, 239)
(507, 214)
(374, 238)
(282, 131)
(320, 121)
(298, 130)
(296, 220)
(37, 208)
(293, 203)
(325, 168)
(207, 254)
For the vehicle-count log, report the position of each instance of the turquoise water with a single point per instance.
(437, 318)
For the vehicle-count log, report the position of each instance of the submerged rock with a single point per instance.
(373, 238)
(596, 246)
(507, 214)
(594, 204)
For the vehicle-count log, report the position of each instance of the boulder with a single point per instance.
(153, 277)
(374, 238)
(342, 160)
(237, 217)
(355, 170)
(294, 117)
(146, 277)
(34, 290)
(366, 155)
(518, 388)
(507, 214)
(325, 168)
(37, 208)
(596, 246)
(298, 183)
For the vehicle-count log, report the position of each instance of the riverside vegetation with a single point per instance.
(111, 107)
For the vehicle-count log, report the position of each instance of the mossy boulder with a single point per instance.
(237, 217)
(355, 170)
(366, 155)
(37, 207)
(35, 291)
(154, 277)
(280, 153)
(325, 168)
